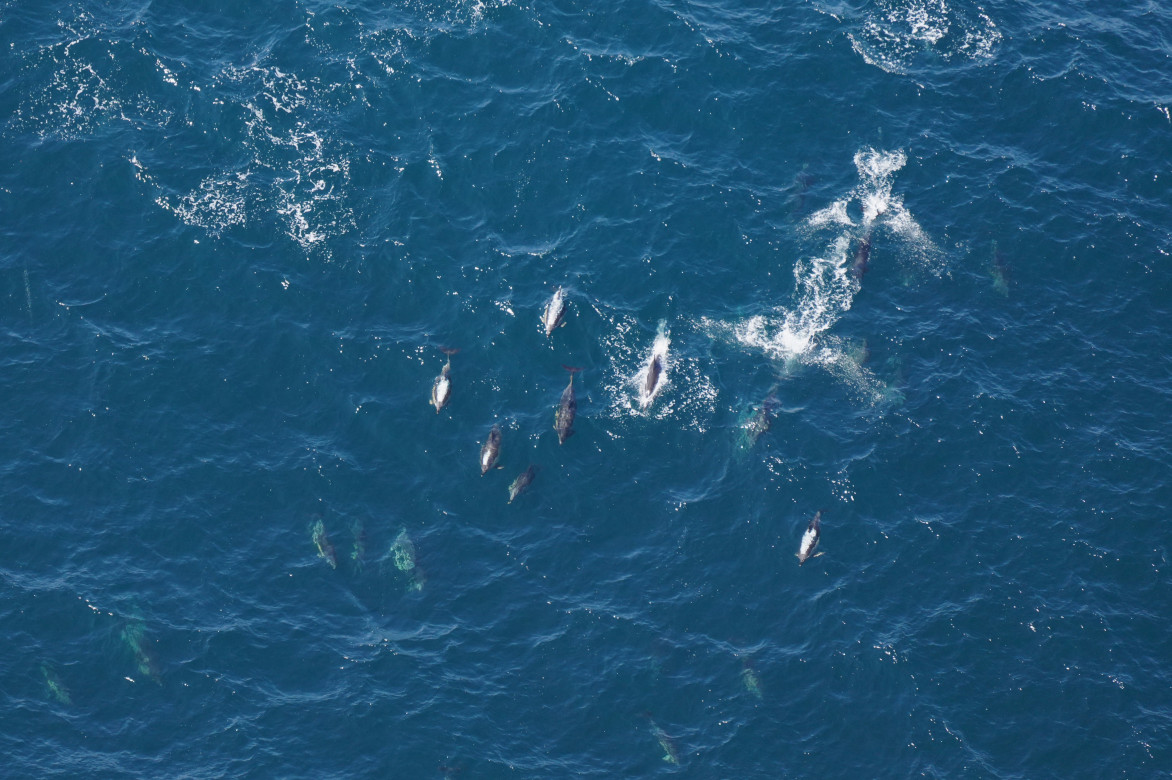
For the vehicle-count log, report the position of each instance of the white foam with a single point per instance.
(304, 178)
(799, 331)
(81, 94)
(896, 34)
(834, 214)
(217, 204)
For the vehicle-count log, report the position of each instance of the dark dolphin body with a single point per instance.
(563, 421)
(999, 270)
(800, 188)
(491, 450)
(654, 370)
(862, 257)
(523, 480)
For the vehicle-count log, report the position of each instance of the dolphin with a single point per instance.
(523, 480)
(671, 753)
(134, 635)
(758, 421)
(999, 271)
(441, 391)
(491, 450)
(403, 554)
(810, 539)
(563, 421)
(654, 371)
(325, 548)
(800, 187)
(555, 312)
(862, 260)
(859, 353)
(358, 554)
(750, 679)
(656, 366)
(55, 686)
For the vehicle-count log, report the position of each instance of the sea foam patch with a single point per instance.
(900, 36)
(827, 280)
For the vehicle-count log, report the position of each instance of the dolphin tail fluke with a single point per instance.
(449, 351)
(572, 369)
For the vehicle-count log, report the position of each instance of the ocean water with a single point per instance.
(904, 262)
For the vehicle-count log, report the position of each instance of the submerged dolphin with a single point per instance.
(491, 450)
(554, 312)
(403, 555)
(758, 421)
(441, 391)
(325, 548)
(750, 679)
(862, 260)
(56, 686)
(563, 421)
(810, 539)
(671, 753)
(358, 554)
(134, 635)
(523, 481)
(999, 271)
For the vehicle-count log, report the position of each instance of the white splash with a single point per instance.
(291, 170)
(74, 86)
(825, 284)
(217, 204)
(898, 34)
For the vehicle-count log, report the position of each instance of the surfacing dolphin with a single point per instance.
(491, 450)
(563, 421)
(810, 539)
(656, 370)
(441, 391)
(555, 312)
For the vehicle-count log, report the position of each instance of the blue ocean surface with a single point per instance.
(902, 262)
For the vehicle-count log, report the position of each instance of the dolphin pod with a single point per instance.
(650, 382)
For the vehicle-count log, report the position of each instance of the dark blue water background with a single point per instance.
(234, 238)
